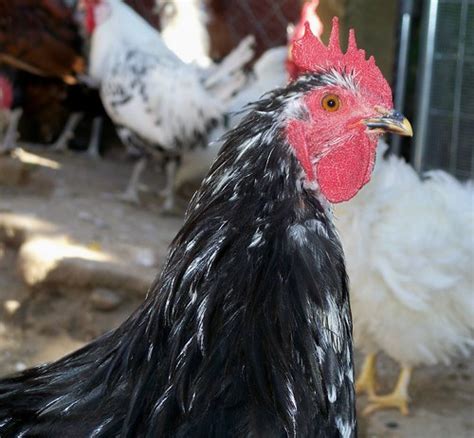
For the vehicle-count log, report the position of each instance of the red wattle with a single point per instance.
(343, 172)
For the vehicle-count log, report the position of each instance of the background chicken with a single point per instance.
(159, 104)
(42, 39)
(37, 107)
(268, 73)
(410, 254)
(240, 335)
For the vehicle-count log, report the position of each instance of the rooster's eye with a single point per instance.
(331, 102)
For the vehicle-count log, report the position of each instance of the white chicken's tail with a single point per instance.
(227, 77)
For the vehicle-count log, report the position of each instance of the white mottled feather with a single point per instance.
(410, 256)
(175, 97)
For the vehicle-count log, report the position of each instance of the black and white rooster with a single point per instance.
(247, 332)
(160, 104)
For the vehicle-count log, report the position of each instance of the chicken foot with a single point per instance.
(60, 145)
(131, 192)
(168, 193)
(94, 142)
(367, 380)
(397, 399)
(9, 141)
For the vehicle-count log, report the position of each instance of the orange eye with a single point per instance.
(331, 102)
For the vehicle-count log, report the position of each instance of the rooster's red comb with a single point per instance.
(89, 6)
(309, 54)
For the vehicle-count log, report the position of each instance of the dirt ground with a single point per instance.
(75, 261)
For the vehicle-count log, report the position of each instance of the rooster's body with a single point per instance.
(216, 314)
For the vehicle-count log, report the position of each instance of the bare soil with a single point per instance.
(75, 261)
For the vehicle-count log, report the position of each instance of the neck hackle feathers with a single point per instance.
(309, 54)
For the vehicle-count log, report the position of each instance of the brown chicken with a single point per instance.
(41, 37)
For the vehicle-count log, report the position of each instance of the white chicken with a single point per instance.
(410, 255)
(158, 103)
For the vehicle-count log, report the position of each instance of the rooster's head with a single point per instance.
(346, 106)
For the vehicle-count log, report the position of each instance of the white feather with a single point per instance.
(410, 256)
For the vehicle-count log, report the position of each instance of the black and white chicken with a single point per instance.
(159, 104)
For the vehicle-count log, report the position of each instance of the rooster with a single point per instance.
(410, 257)
(247, 331)
(159, 104)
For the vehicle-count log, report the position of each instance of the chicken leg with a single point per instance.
(367, 380)
(131, 192)
(60, 145)
(168, 193)
(96, 132)
(9, 141)
(398, 399)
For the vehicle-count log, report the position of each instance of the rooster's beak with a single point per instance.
(392, 121)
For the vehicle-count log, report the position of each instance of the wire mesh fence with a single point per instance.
(447, 128)
(267, 20)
